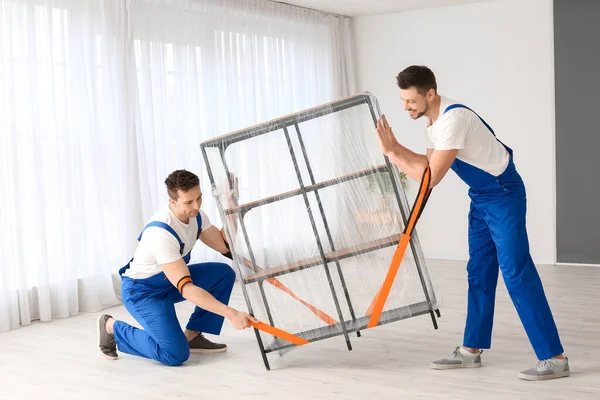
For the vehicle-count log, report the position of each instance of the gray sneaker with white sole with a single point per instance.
(458, 359)
(551, 368)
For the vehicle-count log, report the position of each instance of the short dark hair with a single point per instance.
(418, 76)
(180, 180)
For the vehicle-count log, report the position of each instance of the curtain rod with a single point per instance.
(311, 9)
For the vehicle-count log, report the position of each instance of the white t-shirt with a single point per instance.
(158, 246)
(462, 129)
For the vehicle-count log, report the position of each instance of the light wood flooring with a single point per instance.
(60, 360)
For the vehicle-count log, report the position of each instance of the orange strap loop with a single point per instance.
(324, 317)
(275, 282)
(380, 298)
(297, 340)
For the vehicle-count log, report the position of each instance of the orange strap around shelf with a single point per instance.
(275, 282)
(324, 317)
(380, 298)
(297, 340)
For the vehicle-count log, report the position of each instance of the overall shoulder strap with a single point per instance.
(188, 256)
(166, 227)
(453, 106)
(199, 221)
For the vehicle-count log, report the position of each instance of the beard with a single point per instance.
(421, 113)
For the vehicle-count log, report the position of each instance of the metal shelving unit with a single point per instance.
(325, 259)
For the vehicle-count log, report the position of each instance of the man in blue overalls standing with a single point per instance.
(158, 276)
(460, 140)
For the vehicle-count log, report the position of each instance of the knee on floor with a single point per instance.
(175, 361)
(176, 356)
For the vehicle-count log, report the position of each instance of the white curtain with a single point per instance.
(100, 100)
(68, 170)
(209, 68)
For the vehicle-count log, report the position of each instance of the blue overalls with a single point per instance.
(498, 240)
(151, 301)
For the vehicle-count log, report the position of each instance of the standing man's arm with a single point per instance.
(411, 163)
(429, 153)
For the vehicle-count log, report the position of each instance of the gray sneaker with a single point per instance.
(106, 341)
(551, 368)
(458, 359)
(200, 344)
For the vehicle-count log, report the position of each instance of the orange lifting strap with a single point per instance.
(297, 340)
(275, 282)
(281, 333)
(380, 298)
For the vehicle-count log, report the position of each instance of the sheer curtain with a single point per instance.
(69, 204)
(100, 100)
(207, 68)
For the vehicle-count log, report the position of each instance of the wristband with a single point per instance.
(228, 255)
(182, 282)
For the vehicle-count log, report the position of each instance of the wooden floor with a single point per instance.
(60, 360)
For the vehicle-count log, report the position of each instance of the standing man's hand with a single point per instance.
(386, 137)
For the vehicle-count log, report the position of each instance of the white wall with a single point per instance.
(497, 58)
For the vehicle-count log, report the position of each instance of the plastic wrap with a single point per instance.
(314, 217)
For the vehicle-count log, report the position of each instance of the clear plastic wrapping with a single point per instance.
(314, 213)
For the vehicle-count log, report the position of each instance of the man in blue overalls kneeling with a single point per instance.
(158, 276)
(460, 140)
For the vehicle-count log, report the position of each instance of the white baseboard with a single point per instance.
(577, 265)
